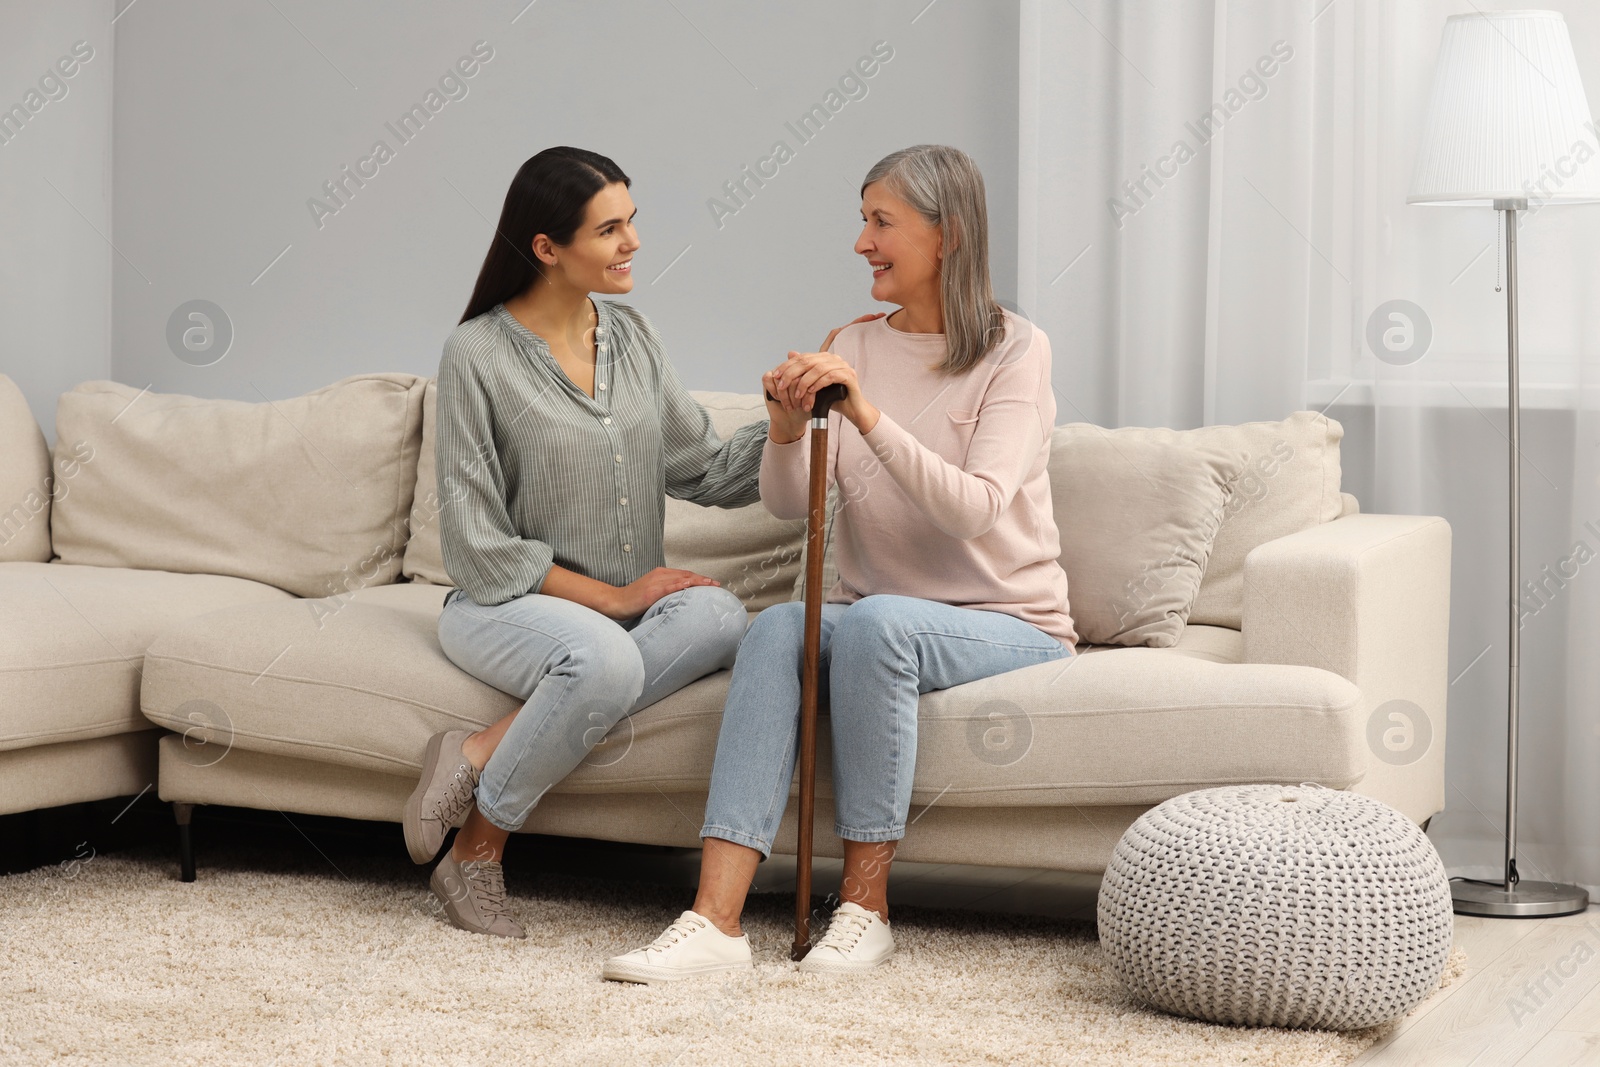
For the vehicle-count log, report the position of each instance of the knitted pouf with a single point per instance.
(1274, 905)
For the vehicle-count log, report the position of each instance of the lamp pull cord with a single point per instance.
(1499, 244)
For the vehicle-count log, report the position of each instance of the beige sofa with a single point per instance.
(237, 604)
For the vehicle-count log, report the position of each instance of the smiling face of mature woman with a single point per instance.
(600, 257)
(904, 251)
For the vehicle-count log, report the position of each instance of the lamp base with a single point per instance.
(1525, 900)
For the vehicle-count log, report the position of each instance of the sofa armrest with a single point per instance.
(1366, 597)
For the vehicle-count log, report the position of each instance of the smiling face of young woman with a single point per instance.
(600, 257)
(903, 249)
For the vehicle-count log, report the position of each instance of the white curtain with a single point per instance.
(1191, 274)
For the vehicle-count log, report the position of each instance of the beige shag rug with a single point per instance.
(268, 959)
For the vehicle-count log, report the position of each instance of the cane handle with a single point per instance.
(826, 397)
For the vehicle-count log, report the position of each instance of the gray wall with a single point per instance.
(231, 116)
(55, 199)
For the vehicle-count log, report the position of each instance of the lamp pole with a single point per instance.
(1514, 898)
(1513, 408)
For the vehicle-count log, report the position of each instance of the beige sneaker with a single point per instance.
(443, 796)
(691, 946)
(857, 940)
(474, 896)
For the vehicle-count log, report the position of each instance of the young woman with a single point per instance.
(947, 559)
(561, 427)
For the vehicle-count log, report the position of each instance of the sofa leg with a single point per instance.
(184, 813)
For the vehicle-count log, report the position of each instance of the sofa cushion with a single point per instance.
(1290, 483)
(25, 483)
(363, 683)
(1137, 509)
(751, 553)
(73, 636)
(349, 680)
(1137, 726)
(309, 494)
(358, 680)
(353, 680)
(424, 558)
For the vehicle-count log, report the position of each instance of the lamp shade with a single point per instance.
(1508, 118)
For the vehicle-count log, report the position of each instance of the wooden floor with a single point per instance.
(1530, 997)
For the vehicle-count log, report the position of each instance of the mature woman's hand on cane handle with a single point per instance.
(790, 413)
(788, 424)
(794, 382)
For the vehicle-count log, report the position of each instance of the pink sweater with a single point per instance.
(947, 498)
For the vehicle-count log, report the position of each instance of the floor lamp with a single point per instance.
(1508, 125)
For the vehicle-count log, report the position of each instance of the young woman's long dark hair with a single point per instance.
(547, 196)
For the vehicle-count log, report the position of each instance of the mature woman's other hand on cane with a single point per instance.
(787, 421)
(789, 414)
(802, 374)
(637, 596)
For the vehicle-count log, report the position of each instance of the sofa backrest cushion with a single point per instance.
(309, 494)
(751, 553)
(424, 558)
(1137, 509)
(25, 482)
(1290, 483)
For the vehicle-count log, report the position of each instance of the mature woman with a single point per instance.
(561, 426)
(947, 559)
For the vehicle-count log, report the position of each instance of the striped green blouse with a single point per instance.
(534, 472)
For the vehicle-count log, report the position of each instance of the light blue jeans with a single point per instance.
(580, 672)
(876, 657)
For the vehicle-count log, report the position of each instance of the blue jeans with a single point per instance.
(886, 651)
(580, 672)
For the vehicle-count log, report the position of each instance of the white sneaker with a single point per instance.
(691, 946)
(857, 940)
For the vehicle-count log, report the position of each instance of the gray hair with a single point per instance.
(945, 187)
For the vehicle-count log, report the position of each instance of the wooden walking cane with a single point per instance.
(816, 515)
